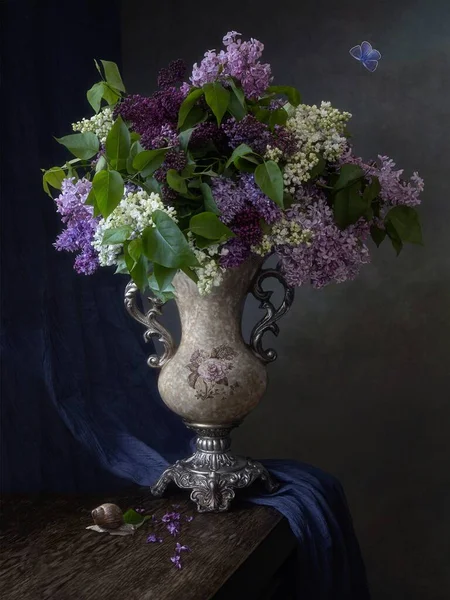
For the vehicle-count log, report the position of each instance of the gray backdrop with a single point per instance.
(361, 387)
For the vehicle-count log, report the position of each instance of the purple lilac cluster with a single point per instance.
(333, 256)
(239, 60)
(80, 224)
(242, 205)
(172, 74)
(394, 190)
(258, 136)
(153, 117)
(208, 132)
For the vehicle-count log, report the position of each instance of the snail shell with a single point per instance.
(108, 516)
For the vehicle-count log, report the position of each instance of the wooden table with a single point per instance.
(46, 552)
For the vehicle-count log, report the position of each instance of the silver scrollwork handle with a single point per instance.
(154, 329)
(268, 322)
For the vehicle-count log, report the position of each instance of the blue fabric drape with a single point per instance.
(80, 409)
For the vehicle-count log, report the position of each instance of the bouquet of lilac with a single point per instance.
(205, 173)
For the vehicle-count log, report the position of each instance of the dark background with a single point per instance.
(362, 384)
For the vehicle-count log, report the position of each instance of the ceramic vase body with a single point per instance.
(214, 378)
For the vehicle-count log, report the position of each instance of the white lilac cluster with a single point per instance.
(135, 210)
(319, 132)
(99, 124)
(283, 233)
(210, 273)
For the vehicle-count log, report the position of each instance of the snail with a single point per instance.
(108, 516)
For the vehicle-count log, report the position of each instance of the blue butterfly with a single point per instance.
(367, 55)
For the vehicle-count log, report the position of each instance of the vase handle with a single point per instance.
(268, 322)
(154, 329)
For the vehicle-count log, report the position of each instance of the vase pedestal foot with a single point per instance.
(212, 473)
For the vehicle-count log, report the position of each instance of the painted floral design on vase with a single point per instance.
(210, 372)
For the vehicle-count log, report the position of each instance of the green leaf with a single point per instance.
(108, 187)
(163, 276)
(372, 190)
(202, 242)
(95, 95)
(348, 174)
(187, 104)
(82, 145)
(110, 95)
(318, 168)
(394, 237)
(101, 164)
(190, 273)
(263, 115)
(53, 177)
(405, 220)
(277, 117)
(135, 249)
(349, 205)
(247, 163)
(117, 144)
(118, 235)
(241, 150)
(208, 198)
(139, 273)
(290, 92)
(151, 185)
(134, 151)
(184, 138)
(148, 161)
(92, 201)
(165, 244)
(217, 98)
(196, 115)
(377, 234)
(112, 75)
(176, 182)
(209, 226)
(270, 180)
(237, 106)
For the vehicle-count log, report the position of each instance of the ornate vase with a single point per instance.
(213, 379)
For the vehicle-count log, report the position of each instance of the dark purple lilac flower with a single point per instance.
(153, 539)
(80, 224)
(149, 115)
(208, 132)
(248, 131)
(172, 74)
(234, 253)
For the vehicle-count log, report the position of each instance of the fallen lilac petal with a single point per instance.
(173, 529)
(176, 505)
(179, 548)
(176, 561)
(189, 519)
(172, 516)
(140, 510)
(152, 539)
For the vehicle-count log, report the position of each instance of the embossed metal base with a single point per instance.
(212, 472)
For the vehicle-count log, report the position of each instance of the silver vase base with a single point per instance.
(212, 473)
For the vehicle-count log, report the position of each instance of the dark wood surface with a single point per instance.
(46, 552)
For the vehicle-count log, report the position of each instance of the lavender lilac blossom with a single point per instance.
(394, 190)
(240, 60)
(333, 256)
(80, 224)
